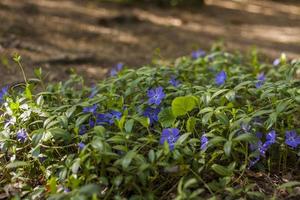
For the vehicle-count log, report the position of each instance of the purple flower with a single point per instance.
(261, 80)
(170, 135)
(259, 135)
(152, 114)
(256, 146)
(91, 109)
(204, 142)
(82, 130)
(81, 145)
(253, 162)
(292, 139)
(276, 62)
(108, 118)
(174, 82)
(91, 123)
(220, 78)
(3, 92)
(67, 190)
(116, 69)
(271, 137)
(197, 54)
(21, 135)
(93, 92)
(155, 96)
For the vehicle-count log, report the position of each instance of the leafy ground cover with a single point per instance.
(211, 125)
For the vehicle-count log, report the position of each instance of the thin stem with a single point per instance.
(201, 180)
(22, 69)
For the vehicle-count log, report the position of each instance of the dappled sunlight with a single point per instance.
(100, 35)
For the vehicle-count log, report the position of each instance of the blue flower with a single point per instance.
(3, 92)
(170, 135)
(292, 139)
(21, 135)
(220, 78)
(81, 145)
(174, 82)
(155, 96)
(271, 137)
(256, 146)
(91, 109)
(108, 118)
(82, 130)
(204, 142)
(197, 54)
(261, 80)
(116, 69)
(152, 114)
(93, 92)
(91, 123)
(276, 62)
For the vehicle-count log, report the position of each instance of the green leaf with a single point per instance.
(221, 170)
(227, 147)
(144, 121)
(289, 184)
(59, 133)
(207, 117)
(89, 189)
(70, 111)
(151, 156)
(182, 138)
(247, 137)
(282, 106)
(129, 125)
(222, 118)
(80, 120)
(37, 136)
(128, 158)
(166, 117)
(17, 164)
(76, 165)
(190, 124)
(182, 105)
(218, 93)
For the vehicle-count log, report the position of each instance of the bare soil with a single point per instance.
(92, 37)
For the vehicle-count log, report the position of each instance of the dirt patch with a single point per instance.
(92, 37)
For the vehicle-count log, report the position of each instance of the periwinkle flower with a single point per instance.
(116, 69)
(292, 139)
(204, 142)
(276, 62)
(22, 135)
(93, 92)
(91, 123)
(108, 118)
(155, 96)
(197, 54)
(152, 114)
(170, 135)
(261, 80)
(174, 82)
(81, 145)
(220, 78)
(3, 92)
(83, 129)
(90, 109)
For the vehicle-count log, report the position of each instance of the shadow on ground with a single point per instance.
(92, 37)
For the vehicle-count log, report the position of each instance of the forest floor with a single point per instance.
(92, 37)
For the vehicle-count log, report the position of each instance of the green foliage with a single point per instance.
(63, 155)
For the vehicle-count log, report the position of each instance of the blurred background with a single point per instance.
(92, 36)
